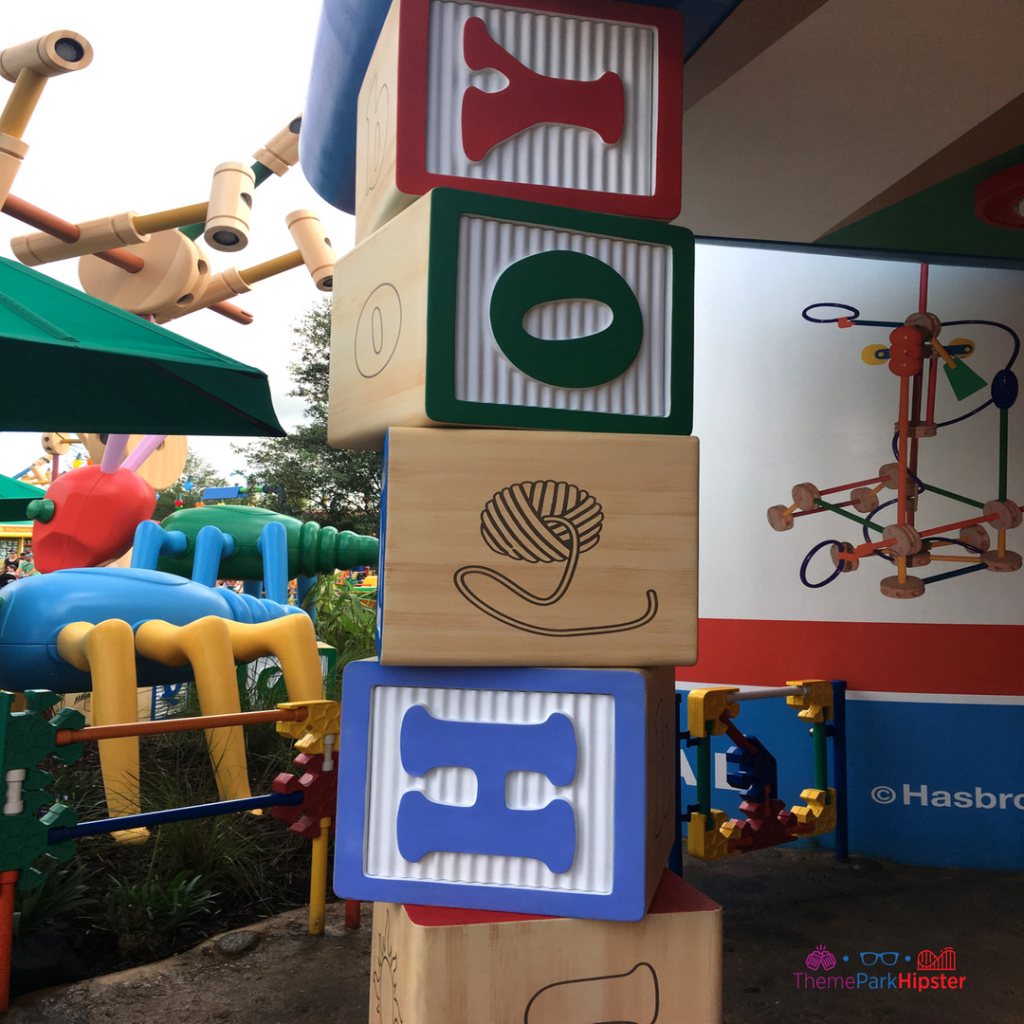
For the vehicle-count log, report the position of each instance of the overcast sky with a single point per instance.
(174, 90)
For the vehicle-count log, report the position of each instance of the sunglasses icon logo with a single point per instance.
(870, 959)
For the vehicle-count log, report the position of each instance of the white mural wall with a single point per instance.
(780, 401)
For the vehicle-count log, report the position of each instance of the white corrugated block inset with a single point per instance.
(591, 793)
(557, 46)
(488, 247)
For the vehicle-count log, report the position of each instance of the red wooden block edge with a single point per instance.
(673, 896)
(412, 177)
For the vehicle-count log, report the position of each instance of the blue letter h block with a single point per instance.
(490, 826)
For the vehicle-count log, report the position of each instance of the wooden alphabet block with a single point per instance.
(561, 101)
(477, 310)
(433, 965)
(502, 547)
(528, 790)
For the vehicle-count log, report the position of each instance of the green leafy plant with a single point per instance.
(260, 689)
(141, 913)
(158, 904)
(346, 620)
(65, 889)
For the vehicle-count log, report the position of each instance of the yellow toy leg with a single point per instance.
(107, 651)
(292, 640)
(206, 643)
(213, 645)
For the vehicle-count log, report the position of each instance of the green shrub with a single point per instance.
(345, 621)
(65, 889)
(141, 913)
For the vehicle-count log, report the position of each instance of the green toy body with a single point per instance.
(312, 549)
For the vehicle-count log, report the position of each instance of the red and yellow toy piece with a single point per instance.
(319, 788)
(706, 707)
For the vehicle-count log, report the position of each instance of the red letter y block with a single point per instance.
(529, 98)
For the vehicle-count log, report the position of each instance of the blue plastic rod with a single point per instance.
(105, 825)
(838, 731)
(956, 572)
(675, 857)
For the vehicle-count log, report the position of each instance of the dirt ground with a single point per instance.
(779, 905)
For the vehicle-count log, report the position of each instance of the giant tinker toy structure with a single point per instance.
(913, 349)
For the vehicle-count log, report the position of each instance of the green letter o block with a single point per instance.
(574, 362)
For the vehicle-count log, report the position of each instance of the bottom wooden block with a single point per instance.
(435, 965)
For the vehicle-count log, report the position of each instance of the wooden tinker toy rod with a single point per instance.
(952, 575)
(270, 268)
(959, 526)
(166, 725)
(915, 400)
(957, 497)
(314, 252)
(224, 218)
(808, 512)
(765, 692)
(849, 515)
(857, 483)
(901, 486)
(166, 220)
(867, 549)
(124, 260)
(28, 65)
(37, 217)
(21, 103)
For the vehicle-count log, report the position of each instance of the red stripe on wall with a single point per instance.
(898, 658)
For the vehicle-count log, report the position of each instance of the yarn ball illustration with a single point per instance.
(534, 521)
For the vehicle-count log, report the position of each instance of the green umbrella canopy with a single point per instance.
(97, 368)
(11, 488)
(14, 499)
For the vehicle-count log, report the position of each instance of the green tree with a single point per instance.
(331, 486)
(200, 474)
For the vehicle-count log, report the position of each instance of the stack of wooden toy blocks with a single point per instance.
(514, 330)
